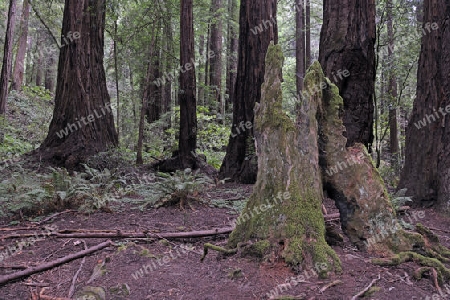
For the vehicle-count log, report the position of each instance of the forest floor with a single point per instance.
(174, 270)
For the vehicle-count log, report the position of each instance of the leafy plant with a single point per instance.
(399, 199)
(180, 187)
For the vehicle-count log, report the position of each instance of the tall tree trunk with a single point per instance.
(240, 162)
(393, 126)
(426, 173)
(145, 99)
(187, 142)
(38, 62)
(154, 91)
(232, 37)
(21, 48)
(7, 58)
(300, 44)
(116, 77)
(202, 49)
(168, 60)
(347, 42)
(81, 91)
(49, 75)
(215, 80)
(308, 32)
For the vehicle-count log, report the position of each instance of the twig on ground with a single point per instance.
(366, 289)
(327, 286)
(74, 279)
(43, 267)
(53, 216)
(44, 297)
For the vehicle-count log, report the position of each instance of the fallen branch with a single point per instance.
(327, 286)
(81, 233)
(29, 271)
(74, 279)
(124, 234)
(54, 215)
(437, 229)
(366, 289)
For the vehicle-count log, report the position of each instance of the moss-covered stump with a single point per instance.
(283, 216)
(349, 176)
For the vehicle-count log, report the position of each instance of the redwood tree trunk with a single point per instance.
(426, 174)
(81, 92)
(393, 126)
(21, 48)
(300, 45)
(187, 142)
(7, 57)
(232, 52)
(215, 80)
(240, 162)
(353, 21)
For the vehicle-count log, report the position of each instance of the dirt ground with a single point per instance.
(171, 269)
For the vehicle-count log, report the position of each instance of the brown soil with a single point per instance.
(178, 273)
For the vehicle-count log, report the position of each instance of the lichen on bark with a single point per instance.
(284, 212)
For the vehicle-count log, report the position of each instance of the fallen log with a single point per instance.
(43, 267)
(81, 233)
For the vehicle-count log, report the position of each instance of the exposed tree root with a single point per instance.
(225, 251)
(435, 276)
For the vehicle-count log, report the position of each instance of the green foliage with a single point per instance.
(37, 91)
(180, 187)
(400, 199)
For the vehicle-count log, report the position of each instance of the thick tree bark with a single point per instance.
(215, 73)
(21, 48)
(187, 142)
(300, 52)
(7, 58)
(232, 36)
(81, 92)
(426, 173)
(347, 42)
(240, 162)
(283, 215)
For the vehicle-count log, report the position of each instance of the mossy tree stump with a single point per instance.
(283, 216)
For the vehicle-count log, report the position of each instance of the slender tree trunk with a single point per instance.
(215, 80)
(169, 53)
(233, 40)
(308, 33)
(83, 122)
(240, 162)
(393, 126)
(39, 59)
(116, 72)
(347, 43)
(145, 100)
(49, 74)
(202, 49)
(154, 91)
(426, 173)
(21, 48)
(7, 58)
(300, 44)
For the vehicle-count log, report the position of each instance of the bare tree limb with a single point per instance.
(43, 267)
